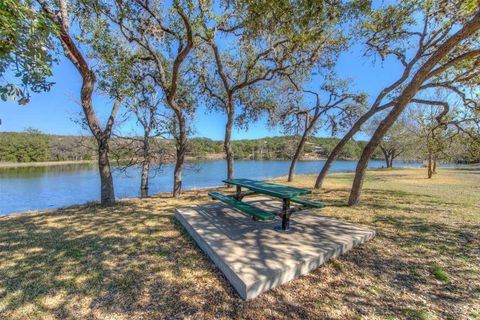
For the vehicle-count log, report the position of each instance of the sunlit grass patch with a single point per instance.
(439, 273)
(415, 314)
(163, 252)
(336, 264)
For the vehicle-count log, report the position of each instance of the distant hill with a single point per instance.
(34, 146)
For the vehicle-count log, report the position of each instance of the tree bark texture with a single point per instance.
(181, 152)
(227, 143)
(145, 166)
(106, 181)
(429, 166)
(301, 145)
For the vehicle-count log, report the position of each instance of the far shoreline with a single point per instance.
(44, 163)
(189, 159)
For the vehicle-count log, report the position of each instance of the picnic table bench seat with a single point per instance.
(242, 206)
(308, 202)
(286, 194)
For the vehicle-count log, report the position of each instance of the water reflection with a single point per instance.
(40, 171)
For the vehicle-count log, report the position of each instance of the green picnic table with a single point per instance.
(286, 193)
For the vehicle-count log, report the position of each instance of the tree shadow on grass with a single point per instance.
(380, 199)
(131, 261)
(89, 261)
(474, 170)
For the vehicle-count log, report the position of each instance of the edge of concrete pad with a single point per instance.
(234, 280)
(302, 267)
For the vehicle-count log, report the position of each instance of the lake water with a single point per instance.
(32, 188)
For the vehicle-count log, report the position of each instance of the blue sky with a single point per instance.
(55, 112)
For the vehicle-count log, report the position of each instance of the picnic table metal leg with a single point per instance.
(238, 194)
(285, 214)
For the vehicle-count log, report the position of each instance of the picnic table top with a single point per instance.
(272, 189)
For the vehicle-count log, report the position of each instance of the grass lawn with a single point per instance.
(133, 261)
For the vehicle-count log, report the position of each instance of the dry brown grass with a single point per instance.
(133, 261)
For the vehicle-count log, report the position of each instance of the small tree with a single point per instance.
(145, 105)
(396, 142)
(444, 133)
(108, 57)
(162, 36)
(337, 112)
(239, 57)
(432, 139)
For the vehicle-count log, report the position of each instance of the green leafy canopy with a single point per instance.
(27, 51)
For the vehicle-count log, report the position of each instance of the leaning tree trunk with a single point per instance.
(364, 158)
(434, 167)
(296, 156)
(145, 166)
(377, 137)
(405, 97)
(339, 147)
(227, 143)
(181, 151)
(300, 147)
(107, 194)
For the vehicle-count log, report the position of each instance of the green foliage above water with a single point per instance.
(27, 53)
(275, 148)
(28, 146)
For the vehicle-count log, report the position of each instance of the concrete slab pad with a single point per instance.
(253, 256)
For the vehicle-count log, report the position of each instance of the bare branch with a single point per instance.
(453, 62)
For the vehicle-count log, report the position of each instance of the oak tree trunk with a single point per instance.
(73, 53)
(386, 155)
(145, 166)
(429, 166)
(300, 147)
(144, 179)
(106, 181)
(227, 145)
(180, 159)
